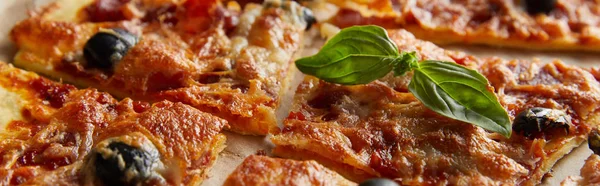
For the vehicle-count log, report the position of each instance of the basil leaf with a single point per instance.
(459, 93)
(356, 55)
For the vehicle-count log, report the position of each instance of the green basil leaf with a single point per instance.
(459, 93)
(356, 55)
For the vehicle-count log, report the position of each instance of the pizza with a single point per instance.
(263, 170)
(590, 172)
(177, 72)
(214, 56)
(56, 134)
(381, 130)
(528, 24)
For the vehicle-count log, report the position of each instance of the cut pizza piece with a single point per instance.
(55, 134)
(263, 170)
(544, 25)
(590, 172)
(381, 130)
(207, 54)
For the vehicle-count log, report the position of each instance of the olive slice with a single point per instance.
(117, 159)
(379, 182)
(124, 160)
(539, 6)
(299, 13)
(309, 18)
(107, 47)
(535, 121)
(594, 141)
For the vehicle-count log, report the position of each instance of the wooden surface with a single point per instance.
(239, 146)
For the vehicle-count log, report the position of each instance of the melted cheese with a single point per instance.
(69, 10)
(10, 107)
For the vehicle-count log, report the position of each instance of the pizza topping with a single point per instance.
(378, 182)
(125, 160)
(535, 121)
(106, 10)
(362, 54)
(308, 17)
(594, 141)
(539, 6)
(299, 14)
(49, 91)
(107, 47)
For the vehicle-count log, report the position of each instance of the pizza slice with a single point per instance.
(211, 55)
(263, 170)
(55, 134)
(590, 172)
(527, 24)
(381, 130)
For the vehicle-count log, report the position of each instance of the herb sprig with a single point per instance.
(362, 54)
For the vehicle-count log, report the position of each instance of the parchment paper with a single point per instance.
(238, 146)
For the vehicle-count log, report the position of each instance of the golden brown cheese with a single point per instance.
(208, 54)
(61, 125)
(572, 25)
(381, 130)
(263, 170)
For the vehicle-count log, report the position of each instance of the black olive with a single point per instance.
(122, 164)
(594, 141)
(539, 6)
(304, 14)
(534, 121)
(107, 47)
(379, 182)
(308, 17)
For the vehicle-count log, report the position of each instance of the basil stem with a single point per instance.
(362, 54)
